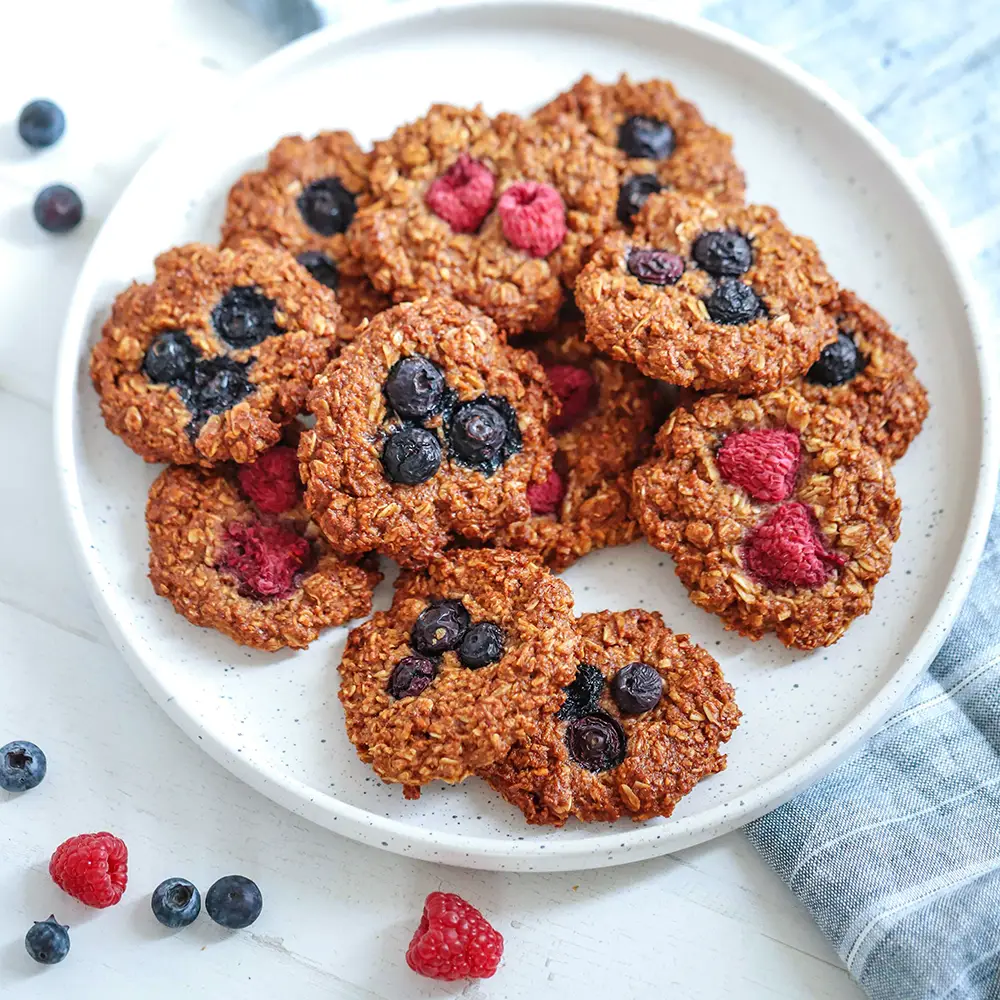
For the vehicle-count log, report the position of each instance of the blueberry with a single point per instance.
(327, 206)
(411, 455)
(723, 253)
(22, 766)
(41, 124)
(483, 433)
(321, 267)
(583, 694)
(234, 902)
(633, 194)
(482, 645)
(176, 902)
(646, 138)
(838, 363)
(218, 385)
(596, 742)
(170, 357)
(733, 302)
(48, 941)
(58, 209)
(415, 387)
(411, 676)
(655, 267)
(439, 628)
(244, 317)
(636, 688)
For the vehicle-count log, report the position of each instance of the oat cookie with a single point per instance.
(494, 212)
(778, 517)
(233, 549)
(472, 654)
(640, 726)
(869, 371)
(428, 428)
(209, 361)
(304, 200)
(709, 296)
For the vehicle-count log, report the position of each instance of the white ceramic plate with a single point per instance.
(274, 719)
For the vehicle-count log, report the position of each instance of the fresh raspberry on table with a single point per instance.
(92, 868)
(787, 550)
(454, 941)
(763, 462)
(463, 194)
(575, 388)
(545, 498)
(272, 482)
(533, 217)
(265, 558)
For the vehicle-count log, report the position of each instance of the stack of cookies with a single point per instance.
(483, 349)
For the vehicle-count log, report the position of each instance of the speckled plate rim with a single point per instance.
(625, 843)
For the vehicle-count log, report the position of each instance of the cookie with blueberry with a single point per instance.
(778, 517)
(640, 725)
(603, 430)
(709, 296)
(869, 371)
(233, 548)
(429, 429)
(304, 200)
(212, 359)
(496, 212)
(473, 653)
(667, 143)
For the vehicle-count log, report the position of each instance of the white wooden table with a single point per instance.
(703, 924)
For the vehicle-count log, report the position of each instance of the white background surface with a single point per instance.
(706, 923)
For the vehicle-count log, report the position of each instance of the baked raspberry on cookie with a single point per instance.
(709, 296)
(429, 428)
(777, 515)
(495, 212)
(603, 430)
(212, 359)
(639, 727)
(471, 656)
(869, 371)
(304, 200)
(233, 549)
(667, 142)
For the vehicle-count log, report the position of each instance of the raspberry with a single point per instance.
(763, 462)
(533, 217)
(265, 558)
(463, 194)
(575, 389)
(454, 941)
(272, 482)
(92, 868)
(545, 498)
(787, 551)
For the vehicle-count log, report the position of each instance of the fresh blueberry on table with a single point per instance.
(234, 901)
(58, 209)
(47, 942)
(176, 902)
(41, 124)
(22, 766)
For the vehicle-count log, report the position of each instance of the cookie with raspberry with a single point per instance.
(429, 428)
(471, 656)
(603, 431)
(212, 359)
(639, 727)
(496, 212)
(779, 518)
(233, 549)
(667, 142)
(304, 200)
(869, 371)
(709, 296)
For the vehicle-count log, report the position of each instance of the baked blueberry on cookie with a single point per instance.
(496, 212)
(869, 371)
(304, 200)
(603, 430)
(667, 142)
(709, 296)
(233, 549)
(777, 515)
(472, 654)
(429, 428)
(638, 728)
(212, 359)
